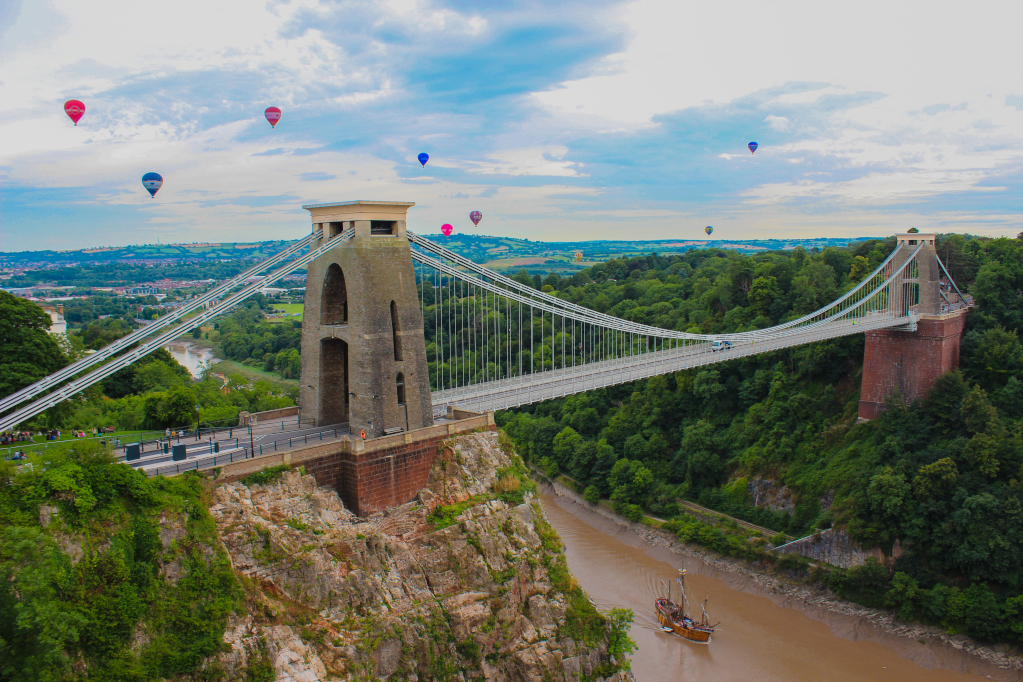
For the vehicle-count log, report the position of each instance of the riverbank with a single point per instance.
(190, 355)
(928, 647)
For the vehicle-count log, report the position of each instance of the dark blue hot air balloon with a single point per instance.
(423, 158)
(152, 182)
(752, 147)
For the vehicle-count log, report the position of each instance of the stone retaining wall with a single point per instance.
(835, 548)
(373, 475)
(255, 417)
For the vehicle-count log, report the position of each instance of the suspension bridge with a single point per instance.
(397, 329)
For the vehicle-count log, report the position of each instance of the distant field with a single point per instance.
(251, 373)
(290, 309)
(512, 262)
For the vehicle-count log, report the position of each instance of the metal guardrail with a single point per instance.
(240, 454)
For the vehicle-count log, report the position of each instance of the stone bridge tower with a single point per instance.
(909, 360)
(363, 351)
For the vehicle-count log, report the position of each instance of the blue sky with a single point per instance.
(557, 120)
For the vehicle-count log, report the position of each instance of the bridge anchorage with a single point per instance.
(399, 332)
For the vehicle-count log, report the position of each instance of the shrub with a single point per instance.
(592, 494)
(267, 475)
(633, 512)
(792, 562)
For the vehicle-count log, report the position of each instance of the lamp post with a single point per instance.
(198, 420)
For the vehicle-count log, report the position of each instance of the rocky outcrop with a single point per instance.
(764, 492)
(830, 546)
(463, 593)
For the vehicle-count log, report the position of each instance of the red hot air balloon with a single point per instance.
(273, 114)
(446, 229)
(75, 109)
(476, 217)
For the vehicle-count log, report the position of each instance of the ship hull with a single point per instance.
(698, 635)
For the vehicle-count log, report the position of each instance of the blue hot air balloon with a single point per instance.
(708, 230)
(752, 147)
(423, 158)
(152, 182)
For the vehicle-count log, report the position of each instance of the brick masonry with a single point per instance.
(909, 362)
(373, 475)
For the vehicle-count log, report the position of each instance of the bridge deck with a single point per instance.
(531, 388)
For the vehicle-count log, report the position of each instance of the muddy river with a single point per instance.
(759, 639)
(192, 358)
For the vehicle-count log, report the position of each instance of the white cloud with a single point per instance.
(873, 189)
(778, 122)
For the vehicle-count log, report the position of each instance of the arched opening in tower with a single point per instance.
(400, 386)
(396, 330)
(334, 406)
(334, 302)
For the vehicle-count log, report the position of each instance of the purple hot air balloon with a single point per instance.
(476, 217)
(752, 147)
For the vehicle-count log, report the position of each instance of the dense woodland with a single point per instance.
(941, 477)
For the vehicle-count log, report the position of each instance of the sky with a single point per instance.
(558, 120)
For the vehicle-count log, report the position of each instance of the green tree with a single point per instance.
(998, 355)
(27, 350)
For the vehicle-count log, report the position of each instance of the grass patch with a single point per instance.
(267, 475)
(228, 367)
(444, 515)
(513, 484)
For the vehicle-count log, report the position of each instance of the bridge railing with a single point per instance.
(78, 385)
(111, 349)
(481, 332)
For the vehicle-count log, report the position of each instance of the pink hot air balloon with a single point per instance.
(476, 217)
(273, 114)
(75, 109)
(446, 229)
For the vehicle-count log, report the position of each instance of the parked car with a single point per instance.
(720, 345)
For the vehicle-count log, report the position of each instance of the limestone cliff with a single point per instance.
(466, 582)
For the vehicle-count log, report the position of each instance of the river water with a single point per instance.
(758, 639)
(190, 357)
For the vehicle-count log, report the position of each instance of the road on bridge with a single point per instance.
(200, 454)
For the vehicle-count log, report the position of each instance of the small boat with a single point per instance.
(673, 617)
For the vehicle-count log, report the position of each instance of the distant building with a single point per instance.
(144, 290)
(58, 325)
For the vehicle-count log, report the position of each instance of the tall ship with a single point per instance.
(673, 616)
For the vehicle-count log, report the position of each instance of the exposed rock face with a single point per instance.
(338, 597)
(837, 548)
(767, 493)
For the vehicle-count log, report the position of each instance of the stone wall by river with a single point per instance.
(338, 597)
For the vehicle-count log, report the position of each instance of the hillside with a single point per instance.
(774, 439)
(108, 575)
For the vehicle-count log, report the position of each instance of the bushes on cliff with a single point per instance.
(85, 589)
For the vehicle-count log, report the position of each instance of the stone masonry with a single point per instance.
(909, 361)
(374, 475)
(363, 351)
